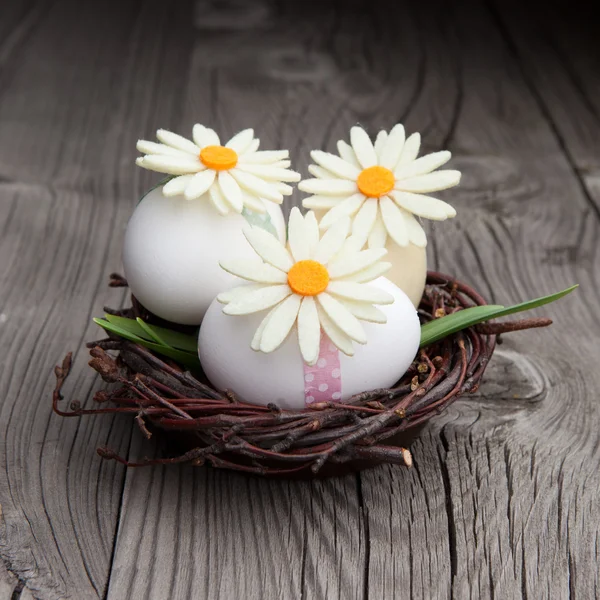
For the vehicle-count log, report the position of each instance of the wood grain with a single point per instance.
(502, 501)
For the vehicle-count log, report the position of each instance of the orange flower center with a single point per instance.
(375, 181)
(308, 278)
(218, 158)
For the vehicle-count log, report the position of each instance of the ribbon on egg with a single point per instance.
(323, 381)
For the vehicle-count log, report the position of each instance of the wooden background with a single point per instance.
(503, 499)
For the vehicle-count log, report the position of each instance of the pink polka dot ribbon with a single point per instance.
(323, 381)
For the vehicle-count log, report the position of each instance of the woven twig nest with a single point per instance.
(206, 425)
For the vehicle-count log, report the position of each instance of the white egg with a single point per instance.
(230, 363)
(172, 250)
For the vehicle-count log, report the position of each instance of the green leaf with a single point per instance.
(260, 220)
(444, 326)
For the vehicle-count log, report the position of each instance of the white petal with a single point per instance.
(255, 344)
(424, 206)
(342, 317)
(390, 153)
(199, 184)
(320, 172)
(253, 203)
(252, 148)
(257, 186)
(283, 188)
(360, 292)
(370, 273)
(378, 236)
(177, 141)
(379, 141)
(280, 324)
(270, 172)
(264, 157)
(415, 232)
(432, 182)
(297, 236)
(258, 300)
(282, 164)
(311, 228)
(410, 150)
(352, 245)
(364, 220)
(231, 190)
(365, 311)
(346, 208)
(328, 187)
(203, 136)
(269, 248)
(363, 147)
(237, 292)
(347, 153)
(332, 241)
(218, 200)
(177, 185)
(423, 165)
(354, 262)
(154, 148)
(337, 337)
(172, 165)
(253, 270)
(241, 141)
(309, 330)
(394, 221)
(335, 164)
(321, 202)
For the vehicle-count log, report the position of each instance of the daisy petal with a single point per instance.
(328, 187)
(379, 141)
(320, 172)
(177, 141)
(269, 248)
(363, 147)
(283, 188)
(253, 270)
(309, 330)
(352, 245)
(354, 262)
(231, 190)
(423, 165)
(280, 323)
(347, 153)
(363, 222)
(253, 203)
(199, 184)
(370, 273)
(342, 317)
(365, 312)
(257, 300)
(153, 148)
(172, 165)
(218, 200)
(297, 236)
(255, 344)
(346, 208)
(177, 185)
(252, 148)
(241, 141)
(415, 232)
(393, 220)
(257, 186)
(335, 164)
(390, 153)
(432, 182)
(264, 157)
(311, 228)
(378, 236)
(360, 292)
(337, 337)
(410, 150)
(423, 206)
(239, 291)
(203, 136)
(331, 242)
(270, 172)
(321, 202)
(282, 164)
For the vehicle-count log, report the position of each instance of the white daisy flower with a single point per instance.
(233, 176)
(380, 186)
(319, 283)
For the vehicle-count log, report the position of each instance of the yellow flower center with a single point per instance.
(375, 181)
(308, 278)
(218, 158)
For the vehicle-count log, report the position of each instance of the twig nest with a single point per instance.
(283, 378)
(171, 251)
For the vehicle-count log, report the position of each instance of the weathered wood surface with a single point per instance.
(502, 502)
